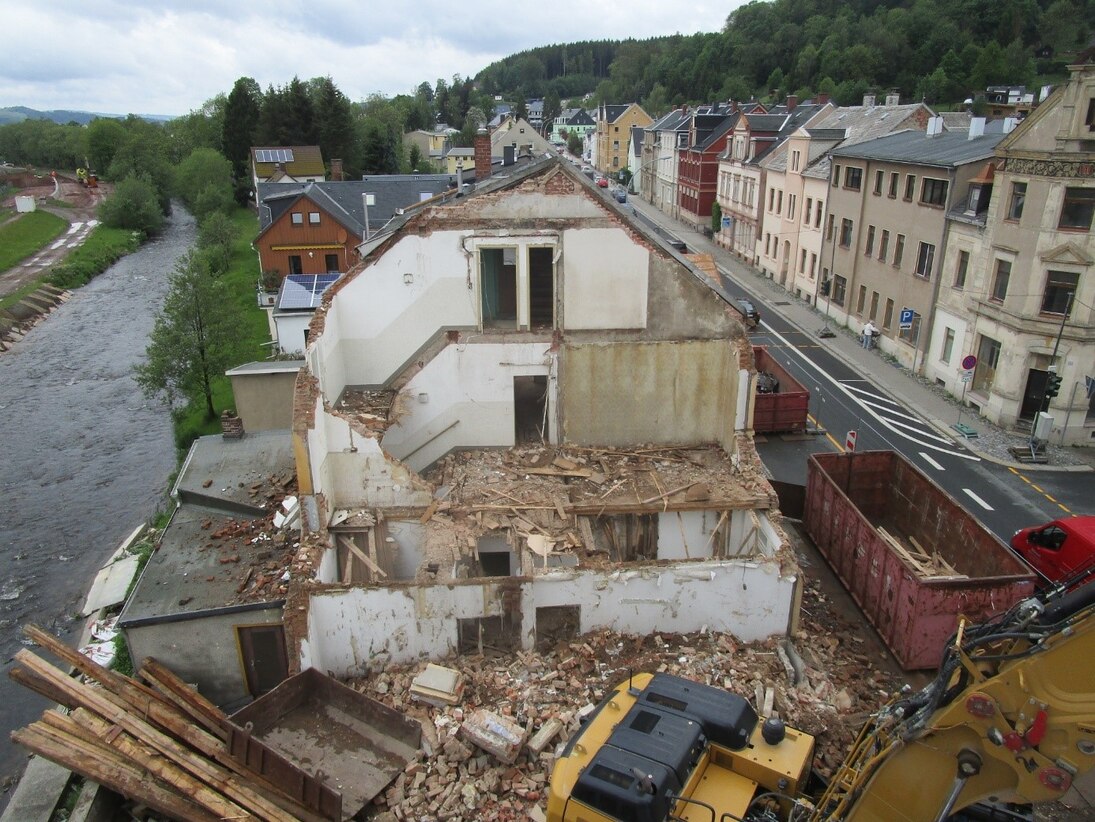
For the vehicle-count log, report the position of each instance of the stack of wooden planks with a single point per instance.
(927, 564)
(156, 741)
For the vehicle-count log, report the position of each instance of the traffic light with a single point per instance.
(1053, 385)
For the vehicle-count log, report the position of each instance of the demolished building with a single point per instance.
(522, 418)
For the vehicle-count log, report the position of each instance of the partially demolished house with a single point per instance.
(521, 419)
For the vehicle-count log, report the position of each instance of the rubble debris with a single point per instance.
(438, 686)
(499, 736)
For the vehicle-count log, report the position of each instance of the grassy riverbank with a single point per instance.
(26, 234)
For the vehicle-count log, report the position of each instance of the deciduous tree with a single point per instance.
(192, 341)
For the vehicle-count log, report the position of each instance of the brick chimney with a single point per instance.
(482, 156)
(792, 101)
(336, 170)
(231, 425)
(822, 98)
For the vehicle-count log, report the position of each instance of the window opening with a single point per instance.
(498, 284)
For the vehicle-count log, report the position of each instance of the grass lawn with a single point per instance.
(25, 235)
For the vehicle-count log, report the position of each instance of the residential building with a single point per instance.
(659, 166)
(613, 134)
(286, 164)
(790, 249)
(523, 418)
(886, 227)
(433, 145)
(535, 110)
(698, 161)
(635, 162)
(460, 159)
(520, 137)
(571, 121)
(315, 228)
(1029, 294)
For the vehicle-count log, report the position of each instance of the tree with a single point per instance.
(204, 182)
(574, 144)
(192, 342)
(133, 206)
(241, 120)
(104, 136)
(216, 235)
(716, 217)
(334, 123)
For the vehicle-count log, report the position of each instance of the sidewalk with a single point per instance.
(938, 408)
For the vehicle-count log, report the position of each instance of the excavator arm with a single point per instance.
(1009, 718)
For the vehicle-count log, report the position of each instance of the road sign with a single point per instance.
(849, 441)
(967, 375)
(969, 361)
(905, 321)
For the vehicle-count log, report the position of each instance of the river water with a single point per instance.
(84, 457)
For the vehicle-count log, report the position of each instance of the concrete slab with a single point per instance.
(38, 793)
(111, 584)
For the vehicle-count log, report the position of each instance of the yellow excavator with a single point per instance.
(1009, 720)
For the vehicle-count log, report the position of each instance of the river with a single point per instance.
(84, 457)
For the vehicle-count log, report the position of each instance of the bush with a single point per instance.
(134, 206)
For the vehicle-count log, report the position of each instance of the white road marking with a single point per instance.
(932, 462)
(871, 394)
(848, 392)
(919, 430)
(977, 499)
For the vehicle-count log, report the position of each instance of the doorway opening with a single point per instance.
(1034, 394)
(498, 287)
(541, 286)
(265, 663)
(530, 409)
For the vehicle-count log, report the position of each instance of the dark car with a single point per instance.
(749, 313)
(621, 196)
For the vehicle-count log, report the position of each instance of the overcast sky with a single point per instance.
(170, 56)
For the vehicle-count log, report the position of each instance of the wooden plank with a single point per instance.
(357, 552)
(431, 509)
(665, 494)
(194, 763)
(587, 534)
(109, 769)
(187, 699)
(160, 767)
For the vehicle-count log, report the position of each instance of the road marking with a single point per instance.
(918, 430)
(880, 419)
(873, 395)
(978, 500)
(932, 462)
(1051, 499)
(1036, 488)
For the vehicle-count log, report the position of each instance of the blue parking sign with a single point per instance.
(905, 321)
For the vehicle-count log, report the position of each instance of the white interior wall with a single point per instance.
(348, 628)
(751, 533)
(686, 534)
(471, 386)
(605, 280)
(409, 536)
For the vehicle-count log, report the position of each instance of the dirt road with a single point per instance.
(82, 205)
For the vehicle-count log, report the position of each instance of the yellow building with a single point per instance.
(613, 134)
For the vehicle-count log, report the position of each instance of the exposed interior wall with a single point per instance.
(630, 393)
(353, 471)
(752, 534)
(690, 534)
(463, 397)
(264, 400)
(203, 651)
(351, 628)
(606, 275)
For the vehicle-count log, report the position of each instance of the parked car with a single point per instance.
(602, 182)
(1059, 550)
(621, 195)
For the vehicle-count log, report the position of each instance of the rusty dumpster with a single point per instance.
(354, 744)
(782, 402)
(911, 557)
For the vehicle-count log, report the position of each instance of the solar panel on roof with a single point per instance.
(274, 155)
(304, 291)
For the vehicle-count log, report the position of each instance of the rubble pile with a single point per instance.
(545, 693)
(257, 551)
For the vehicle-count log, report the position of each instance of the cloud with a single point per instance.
(170, 56)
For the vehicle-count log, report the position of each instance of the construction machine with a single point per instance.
(1009, 718)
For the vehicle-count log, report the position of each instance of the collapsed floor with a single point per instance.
(845, 679)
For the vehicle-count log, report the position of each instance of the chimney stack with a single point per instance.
(792, 101)
(822, 98)
(977, 127)
(868, 101)
(893, 99)
(482, 156)
(336, 170)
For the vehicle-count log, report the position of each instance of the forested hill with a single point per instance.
(938, 50)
